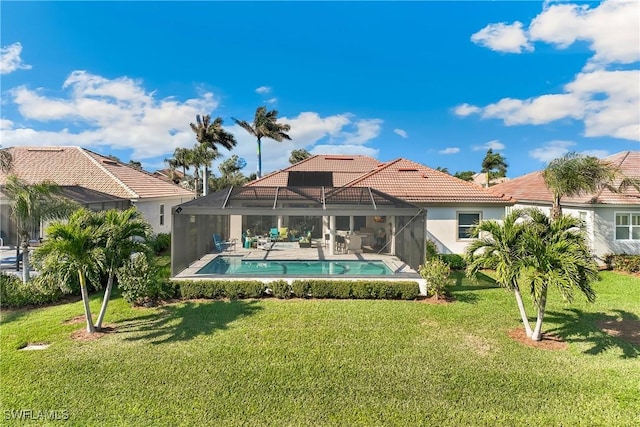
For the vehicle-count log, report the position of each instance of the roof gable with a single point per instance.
(76, 166)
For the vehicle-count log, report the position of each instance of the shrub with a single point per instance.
(623, 262)
(301, 288)
(436, 273)
(14, 293)
(160, 243)
(454, 261)
(431, 249)
(361, 290)
(137, 280)
(280, 289)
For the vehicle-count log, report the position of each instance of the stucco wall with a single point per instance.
(150, 210)
(442, 226)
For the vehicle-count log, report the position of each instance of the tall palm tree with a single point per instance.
(265, 125)
(211, 135)
(574, 174)
(494, 165)
(121, 233)
(72, 247)
(201, 156)
(529, 250)
(498, 244)
(30, 205)
(6, 161)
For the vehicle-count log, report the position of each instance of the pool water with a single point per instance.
(236, 265)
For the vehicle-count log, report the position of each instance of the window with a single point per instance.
(628, 226)
(466, 221)
(161, 214)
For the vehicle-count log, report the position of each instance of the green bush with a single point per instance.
(431, 250)
(307, 288)
(436, 273)
(280, 289)
(14, 293)
(623, 262)
(160, 243)
(137, 280)
(301, 288)
(455, 261)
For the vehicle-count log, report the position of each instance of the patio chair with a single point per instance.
(265, 243)
(219, 244)
(283, 234)
(274, 234)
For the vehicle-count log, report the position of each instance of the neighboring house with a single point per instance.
(481, 179)
(452, 206)
(612, 219)
(97, 182)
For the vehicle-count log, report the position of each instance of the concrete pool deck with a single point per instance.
(288, 251)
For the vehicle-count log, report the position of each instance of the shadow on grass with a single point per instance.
(464, 289)
(185, 321)
(577, 326)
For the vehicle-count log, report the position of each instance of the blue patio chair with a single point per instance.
(219, 244)
(274, 234)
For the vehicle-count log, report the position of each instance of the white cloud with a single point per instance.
(493, 144)
(503, 37)
(366, 130)
(612, 29)
(116, 113)
(345, 149)
(551, 150)
(10, 60)
(466, 109)
(401, 132)
(271, 100)
(450, 150)
(263, 90)
(606, 100)
(5, 124)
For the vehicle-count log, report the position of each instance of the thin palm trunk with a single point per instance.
(537, 332)
(85, 299)
(107, 296)
(25, 262)
(259, 159)
(523, 313)
(205, 183)
(556, 208)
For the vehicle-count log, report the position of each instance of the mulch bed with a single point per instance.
(433, 300)
(548, 342)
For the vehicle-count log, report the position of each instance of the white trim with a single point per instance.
(457, 231)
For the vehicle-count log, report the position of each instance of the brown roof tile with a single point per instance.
(531, 187)
(78, 166)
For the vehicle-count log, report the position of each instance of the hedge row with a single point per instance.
(311, 288)
(623, 262)
(14, 293)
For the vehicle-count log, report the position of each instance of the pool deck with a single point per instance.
(291, 251)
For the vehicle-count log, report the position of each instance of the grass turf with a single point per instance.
(325, 362)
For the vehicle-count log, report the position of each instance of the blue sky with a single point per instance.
(435, 82)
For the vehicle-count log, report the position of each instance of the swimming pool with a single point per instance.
(229, 265)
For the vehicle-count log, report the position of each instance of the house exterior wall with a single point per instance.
(600, 227)
(150, 210)
(442, 225)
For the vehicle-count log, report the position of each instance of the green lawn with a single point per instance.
(326, 362)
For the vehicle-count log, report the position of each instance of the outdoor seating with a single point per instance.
(265, 243)
(283, 234)
(221, 245)
(274, 234)
(340, 244)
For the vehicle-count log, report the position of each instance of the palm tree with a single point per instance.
(265, 125)
(498, 244)
(298, 155)
(574, 174)
(211, 135)
(72, 248)
(30, 205)
(201, 156)
(121, 234)
(6, 161)
(493, 165)
(528, 250)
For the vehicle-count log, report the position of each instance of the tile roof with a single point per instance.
(71, 165)
(531, 187)
(416, 183)
(345, 169)
(401, 178)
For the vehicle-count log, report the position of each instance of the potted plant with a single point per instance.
(305, 241)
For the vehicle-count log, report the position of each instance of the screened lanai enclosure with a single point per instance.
(379, 222)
